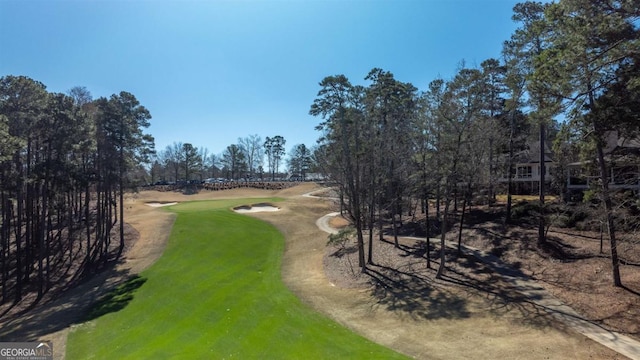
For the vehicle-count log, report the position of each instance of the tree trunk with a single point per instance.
(395, 231)
(70, 222)
(510, 169)
(87, 223)
(371, 225)
(438, 198)
(380, 219)
(5, 230)
(18, 229)
(608, 207)
(455, 199)
(492, 195)
(361, 262)
(121, 194)
(41, 244)
(464, 209)
(541, 219)
(428, 233)
(341, 201)
(443, 236)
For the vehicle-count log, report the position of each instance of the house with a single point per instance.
(526, 166)
(623, 162)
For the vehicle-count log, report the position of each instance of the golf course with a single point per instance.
(199, 280)
(215, 293)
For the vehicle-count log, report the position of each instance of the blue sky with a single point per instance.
(213, 71)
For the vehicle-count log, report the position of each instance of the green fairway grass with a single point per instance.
(216, 293)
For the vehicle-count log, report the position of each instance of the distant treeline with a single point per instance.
(263, 185)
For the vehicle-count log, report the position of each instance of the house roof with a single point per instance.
(620, 147)
(620, 144)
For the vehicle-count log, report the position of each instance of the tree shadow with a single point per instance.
(574, 234)
(117, 299)
(504, 288)
(632, 291)
(475, 216)
(559, 250)
(59, 313)
(414, 295)
(474, 276)
(344, 250)
(418, 249)
(416, 228)
(500, 243)
(489, 262)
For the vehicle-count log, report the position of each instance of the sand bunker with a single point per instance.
(255, 208)
(159, 204)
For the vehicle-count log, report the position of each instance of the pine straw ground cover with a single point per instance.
(571, 267)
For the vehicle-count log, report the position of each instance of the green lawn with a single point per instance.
(216, 293)
(503, 197)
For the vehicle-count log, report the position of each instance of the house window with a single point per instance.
(523, 172)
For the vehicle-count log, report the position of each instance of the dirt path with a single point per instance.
(620, 343)
(472, 333)
(323, 223)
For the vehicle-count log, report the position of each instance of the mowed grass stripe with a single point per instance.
(216, 293)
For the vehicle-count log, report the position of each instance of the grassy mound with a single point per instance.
(215, 293)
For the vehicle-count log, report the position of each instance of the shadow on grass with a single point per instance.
(117, 299)
(67, 309)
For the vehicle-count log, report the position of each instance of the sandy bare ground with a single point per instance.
(472, 331)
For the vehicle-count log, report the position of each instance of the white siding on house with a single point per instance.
(528, 172)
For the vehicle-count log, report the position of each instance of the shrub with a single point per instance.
(341, 239)
(526, 211)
